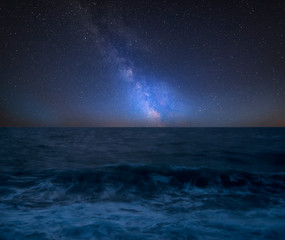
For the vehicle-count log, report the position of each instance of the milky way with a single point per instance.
(153, 98)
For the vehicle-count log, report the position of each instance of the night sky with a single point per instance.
(142, 63)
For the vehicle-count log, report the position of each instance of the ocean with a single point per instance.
(142, 183)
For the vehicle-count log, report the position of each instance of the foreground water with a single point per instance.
(142, 183)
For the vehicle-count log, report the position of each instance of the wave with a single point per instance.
(141, 202)
(127, 183)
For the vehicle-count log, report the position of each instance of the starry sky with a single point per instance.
(142, 63)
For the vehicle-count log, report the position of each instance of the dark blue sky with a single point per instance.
(142, 63)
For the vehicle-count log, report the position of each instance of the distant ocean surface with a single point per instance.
(142, 183)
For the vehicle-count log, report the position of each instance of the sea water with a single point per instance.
(142, 183)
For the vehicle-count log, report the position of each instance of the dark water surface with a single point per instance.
(142, 183)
